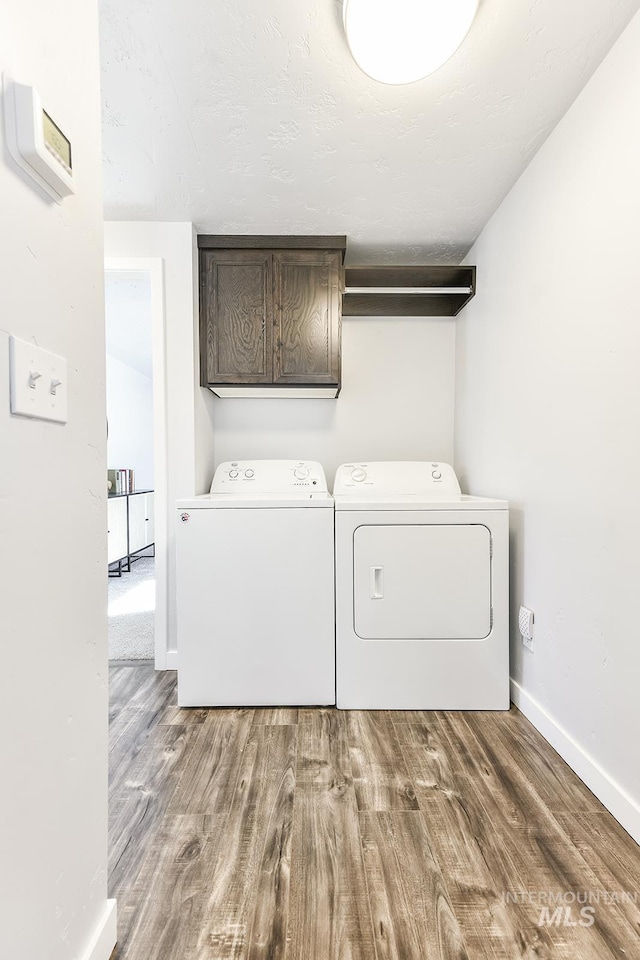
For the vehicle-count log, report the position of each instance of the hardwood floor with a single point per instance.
(317, 834)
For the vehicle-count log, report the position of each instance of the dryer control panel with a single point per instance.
(423, 479)
(269, 476)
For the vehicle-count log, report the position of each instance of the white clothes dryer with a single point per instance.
(255, 588)
(422, 600)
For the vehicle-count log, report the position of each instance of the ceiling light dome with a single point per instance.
(400, 41)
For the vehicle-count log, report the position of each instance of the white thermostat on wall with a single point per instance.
(35, 141)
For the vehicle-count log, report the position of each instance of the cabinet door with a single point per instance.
(307, 291)
(116, 528)
(235, 303)
(150, 521)
(137, 522)
(140, 521)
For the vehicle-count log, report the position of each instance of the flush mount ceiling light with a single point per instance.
(400, 41)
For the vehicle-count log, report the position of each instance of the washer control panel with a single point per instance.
(269, 476)
(412, 478)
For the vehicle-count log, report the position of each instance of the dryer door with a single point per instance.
(422, 582)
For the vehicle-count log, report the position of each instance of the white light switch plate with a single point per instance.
(38, 382)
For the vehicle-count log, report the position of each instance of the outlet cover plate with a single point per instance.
(525, 626)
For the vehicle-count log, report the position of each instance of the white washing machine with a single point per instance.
(422, 601)
(255, 588)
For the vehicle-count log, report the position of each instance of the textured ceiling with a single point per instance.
(250, 116)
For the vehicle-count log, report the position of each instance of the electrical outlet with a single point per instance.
(525, 625)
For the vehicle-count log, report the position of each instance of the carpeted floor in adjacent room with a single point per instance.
(132, 604)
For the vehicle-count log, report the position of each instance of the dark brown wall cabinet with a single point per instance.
(270, 315)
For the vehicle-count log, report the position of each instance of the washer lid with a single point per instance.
(256, 501)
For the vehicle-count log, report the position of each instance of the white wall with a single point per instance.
(186, 409)
(547, 407)
(396, 402)
(53, 624)
(130, 416)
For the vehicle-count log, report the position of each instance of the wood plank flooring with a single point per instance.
(317, 834)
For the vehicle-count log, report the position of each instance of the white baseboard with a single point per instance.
(171, 662)
(623, 807)
(105, 936)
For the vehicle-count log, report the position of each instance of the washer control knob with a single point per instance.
(301, 473)
(436, 475)
(249, 473)
(233, 474)
(358, 474)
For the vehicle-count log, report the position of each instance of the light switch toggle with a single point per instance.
(54, 386)
(33, 376)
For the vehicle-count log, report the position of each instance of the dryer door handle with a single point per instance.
(376, 583)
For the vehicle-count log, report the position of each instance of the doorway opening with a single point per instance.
(136, 459)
